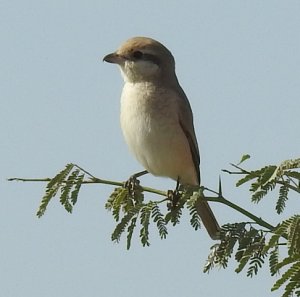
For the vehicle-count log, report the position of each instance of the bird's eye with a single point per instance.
(137, 54)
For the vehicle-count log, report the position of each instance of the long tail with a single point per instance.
(208, 219)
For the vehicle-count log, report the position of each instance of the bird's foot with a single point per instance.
(174, 197)
(133, 184)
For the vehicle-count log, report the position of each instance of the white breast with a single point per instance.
(150, 124)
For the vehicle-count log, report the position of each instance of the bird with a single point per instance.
(156, 117)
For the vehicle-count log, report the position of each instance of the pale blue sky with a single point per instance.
(239, 64)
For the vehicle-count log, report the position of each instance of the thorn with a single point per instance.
(220, 187)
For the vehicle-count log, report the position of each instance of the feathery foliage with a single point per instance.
(245, 242)
(290, 230)
(195, 219)
(249, 246)
(68, 182)
(127, 205)
(268, 178)
(160, 221)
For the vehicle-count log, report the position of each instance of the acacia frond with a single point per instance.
(130, 232)
(145, 221)
(195, 219)
(75, 192)
(261, 190)
(158, 218)
(250, 244)
(287, 261)
(293, 174)
(175, 212)
(274, 260)
(267, 178)
(122, 203)
(116, 200)
(289, 229)
(252, 175)
(221, 252)
(120, 228)
(244, 158)
(65, 197)
(255, 262)
(250, 249)
(52, 188)
(294, 236)
(289, 164)
(283, 197)
(293, 276)
(240, 240)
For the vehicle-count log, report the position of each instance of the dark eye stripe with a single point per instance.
(152, 58)
(138, 55)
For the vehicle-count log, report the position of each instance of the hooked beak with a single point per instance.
(113, 58)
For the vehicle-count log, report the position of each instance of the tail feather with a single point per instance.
(208, 219)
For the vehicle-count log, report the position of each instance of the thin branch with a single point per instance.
(219, 199)
(231, 172)
(83, 170)
(46, 179)
(93, 180)
(240, 168)
(245, 212)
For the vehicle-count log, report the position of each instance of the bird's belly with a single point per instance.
(153, 134)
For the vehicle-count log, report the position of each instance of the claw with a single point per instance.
(173, 196)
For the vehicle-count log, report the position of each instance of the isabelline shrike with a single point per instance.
(156, 117)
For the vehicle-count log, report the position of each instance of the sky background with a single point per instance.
(239, 64)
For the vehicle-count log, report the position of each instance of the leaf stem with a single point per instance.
(95, 180)
(92, 180)
(245, 212)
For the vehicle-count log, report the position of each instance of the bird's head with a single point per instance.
(143, 59)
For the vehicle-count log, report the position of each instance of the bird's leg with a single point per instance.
(177, 185)
(174, 195)
(139, 174)
(132, 183)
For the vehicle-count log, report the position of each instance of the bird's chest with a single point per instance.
(147, 116)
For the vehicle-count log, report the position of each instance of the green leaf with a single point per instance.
(158, 218)
(274, 260)
(117, 199)
(294, 236)
(130, 232)
(292, 271)
(244, 260)
(256, 262)
(195, 219)
(290, 164)
(268, 174)
(262, 191)
(66, 190)
(288, 260)
(252, 175)
(75, 192)
(175, 212)
(145, 221)
(283, 197)
(293, 174)
(52, 188)
(121, 227)
(244, 158)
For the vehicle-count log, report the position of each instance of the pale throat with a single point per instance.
(138, 71)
